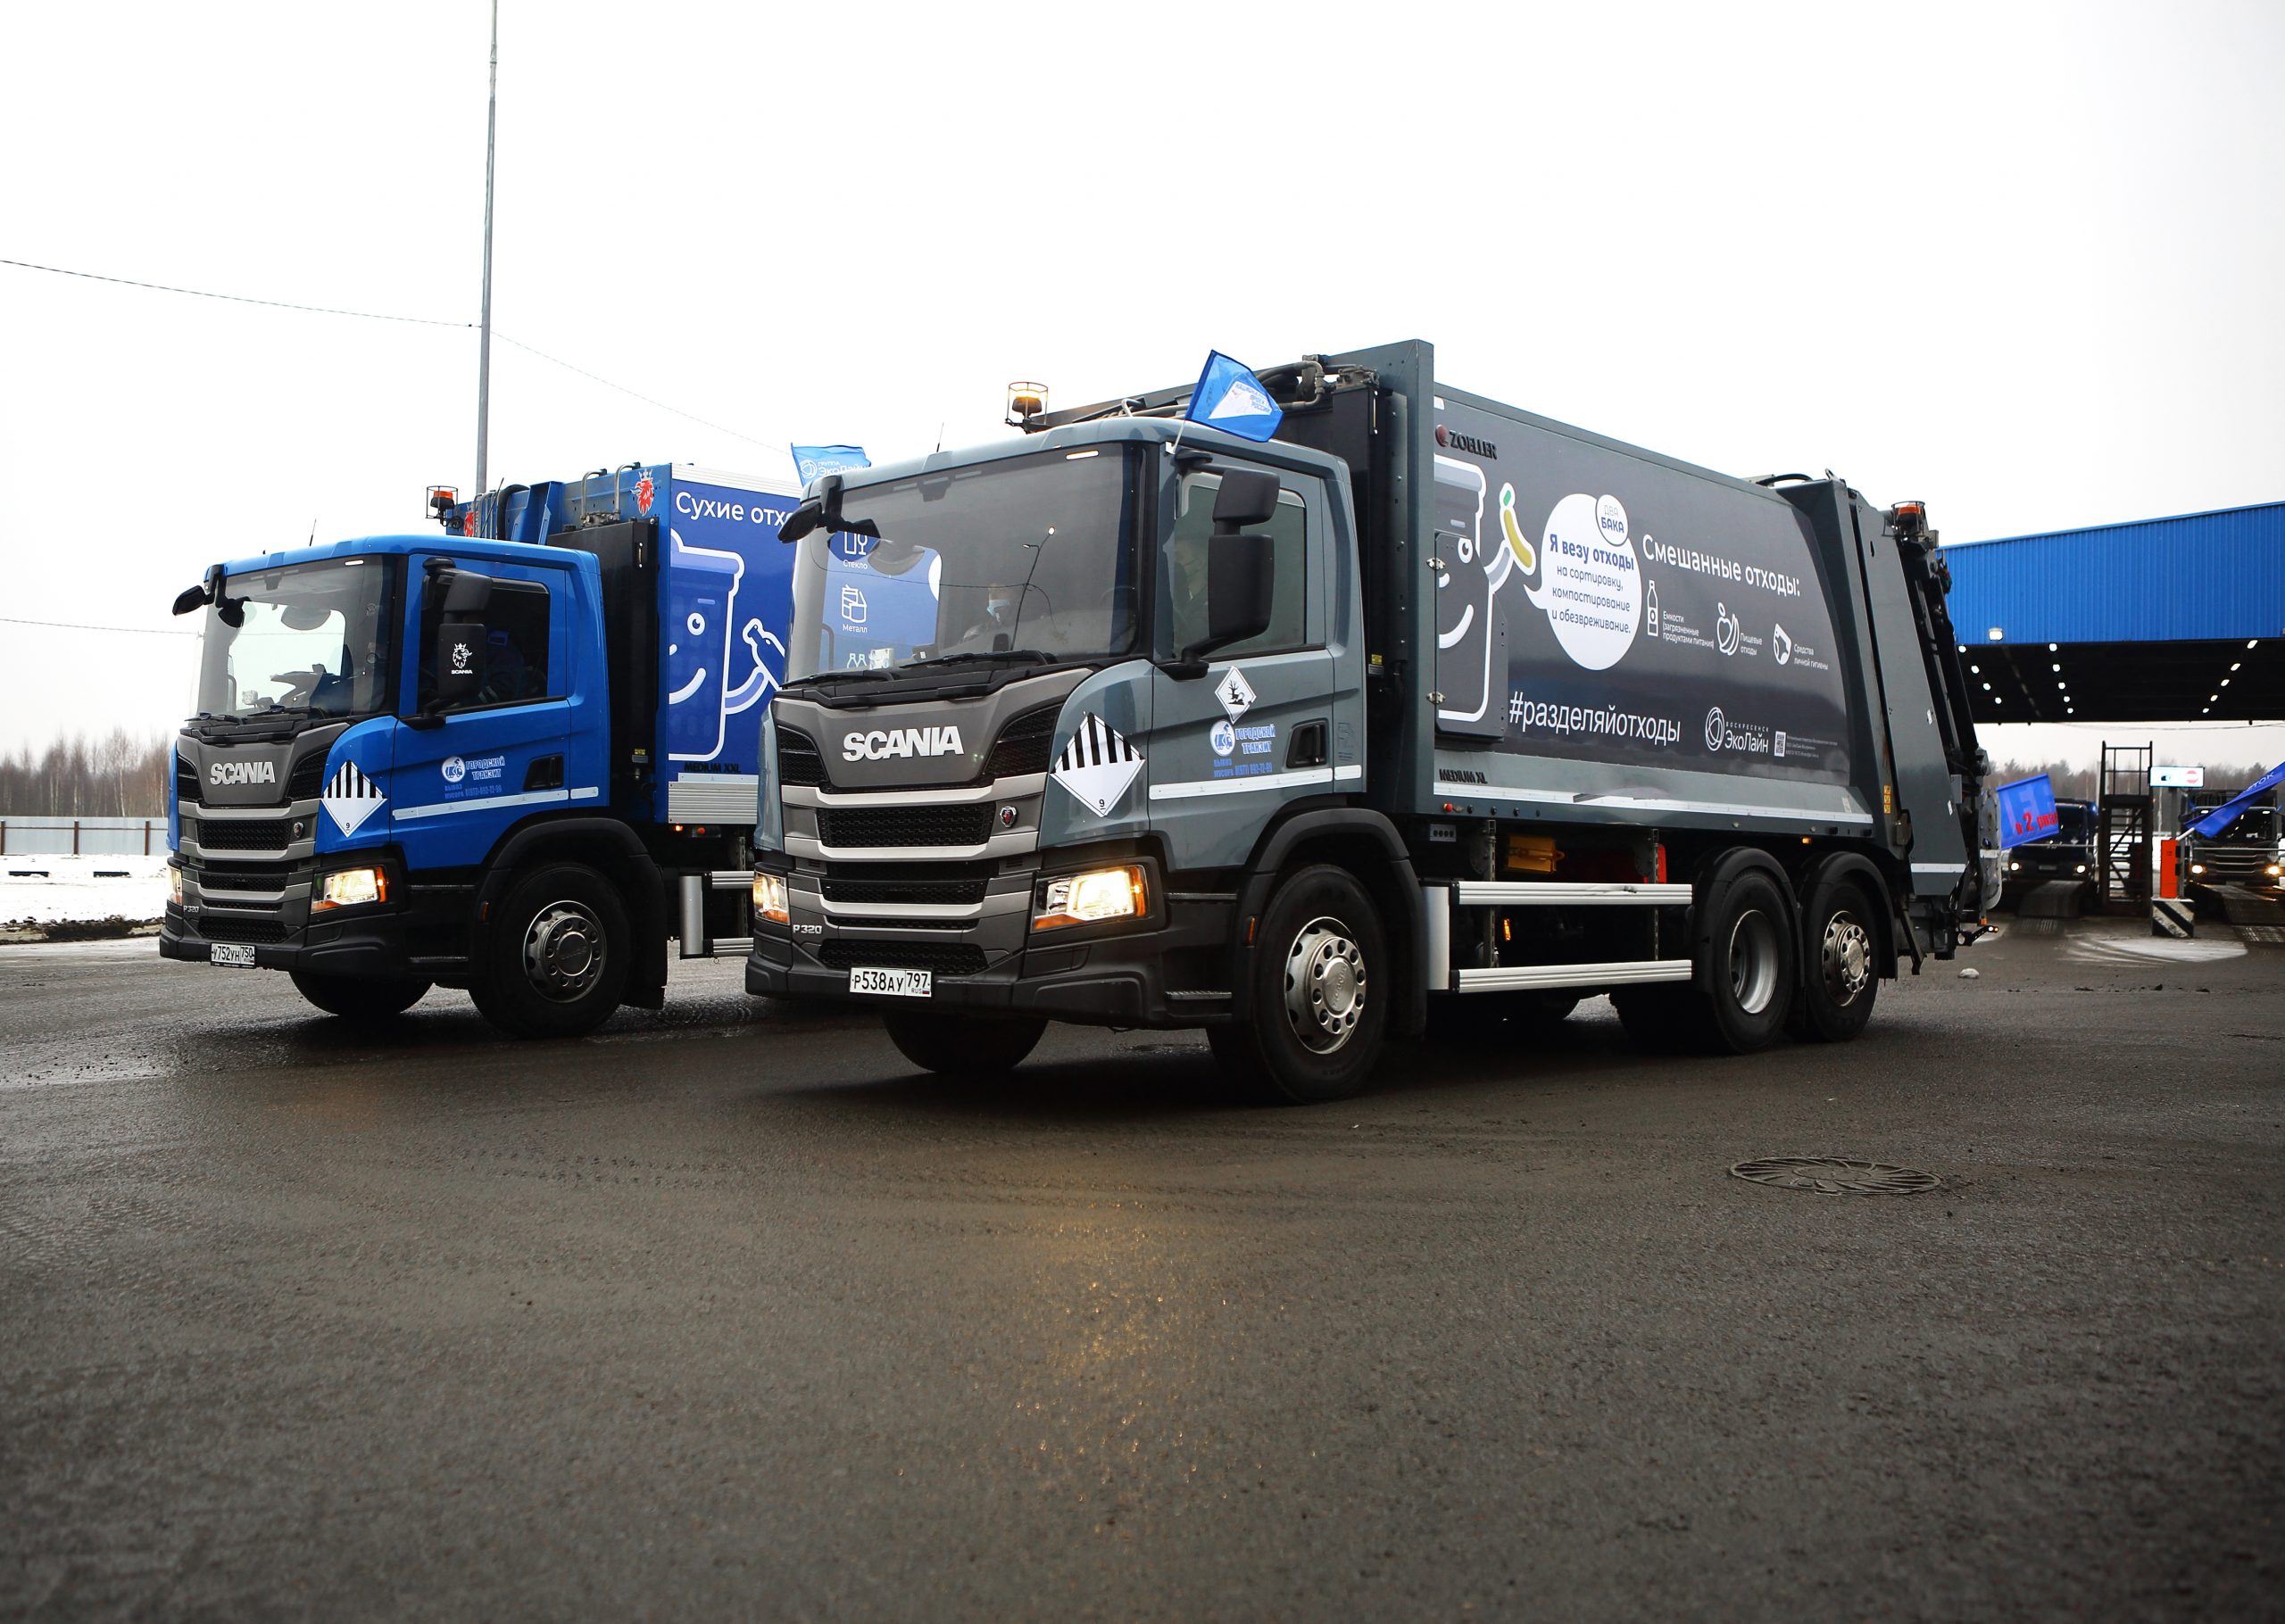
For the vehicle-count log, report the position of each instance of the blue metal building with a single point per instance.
(2156, 620)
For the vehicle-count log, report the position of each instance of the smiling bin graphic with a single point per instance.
(702, 602)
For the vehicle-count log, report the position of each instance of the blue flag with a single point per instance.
(1229, 397)
(2226, 814)
(810, 461)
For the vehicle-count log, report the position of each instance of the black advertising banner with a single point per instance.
(1594, 606)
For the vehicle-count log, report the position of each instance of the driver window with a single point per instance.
(515, 651)
(1183, 573)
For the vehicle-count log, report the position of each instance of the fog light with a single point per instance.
(1088, 899)
(174, 885)
(348, 887)
(770, 898)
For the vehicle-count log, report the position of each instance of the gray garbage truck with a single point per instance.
(1426, 712)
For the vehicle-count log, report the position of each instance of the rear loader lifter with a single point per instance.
(1421, 709)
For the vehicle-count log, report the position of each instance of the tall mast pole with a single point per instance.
(484, 361)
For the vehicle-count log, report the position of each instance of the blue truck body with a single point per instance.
(574, 674)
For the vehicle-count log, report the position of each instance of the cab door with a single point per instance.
(496, 752)
(1229, 749)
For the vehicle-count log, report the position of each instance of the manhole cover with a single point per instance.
(1833, 1175)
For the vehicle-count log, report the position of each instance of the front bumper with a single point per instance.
(1169, 975)
(375, 945)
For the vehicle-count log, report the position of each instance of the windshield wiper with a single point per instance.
(1037, 657)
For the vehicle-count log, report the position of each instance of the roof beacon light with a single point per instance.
(1025, 402)
(441, 498)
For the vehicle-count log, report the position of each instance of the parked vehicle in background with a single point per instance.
(518, 758)
(2247, 853)
(2068, 854)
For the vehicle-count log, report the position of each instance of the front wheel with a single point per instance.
(558, 955)
(967, 1047)
(1320, 979)
(360, 997)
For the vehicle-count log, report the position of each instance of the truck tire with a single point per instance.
(1322, 981)
(970, 1047)
(1841, 971)
(557, 954)
(1745, 986)
(360, 997)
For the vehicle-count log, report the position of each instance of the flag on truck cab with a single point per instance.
(2222, 817)
(1230, 398)
(810, 461)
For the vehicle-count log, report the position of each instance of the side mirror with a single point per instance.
(1241, 593)
(803, 520)
(1248, 496)
(191, 599)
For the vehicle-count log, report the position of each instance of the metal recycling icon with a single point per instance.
(350, 798)
(1097, 765)
(1236, 694)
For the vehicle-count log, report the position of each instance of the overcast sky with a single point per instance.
(2021, 261)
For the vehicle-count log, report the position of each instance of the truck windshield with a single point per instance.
(312, 638)
(1029, 557)
(2254, 826)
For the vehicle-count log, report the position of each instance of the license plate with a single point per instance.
(238, 956)
(891, 983)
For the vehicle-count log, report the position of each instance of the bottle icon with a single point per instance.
(1651, 606)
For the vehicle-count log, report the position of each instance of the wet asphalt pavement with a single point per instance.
(729, 1313)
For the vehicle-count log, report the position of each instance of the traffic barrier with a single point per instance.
(2174, 917)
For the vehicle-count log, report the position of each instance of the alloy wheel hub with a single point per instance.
(1325, 985)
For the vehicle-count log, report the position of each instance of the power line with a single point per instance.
(430, 321)
(73, 626)
(200, 293)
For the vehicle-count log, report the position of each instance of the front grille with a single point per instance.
(240, 835)
(892, 887)
(308, 776)
(962, 825)
(228, 927)
(941, 958)
(1024, 743)
(243, 876)
(186, 783)
(798, 761)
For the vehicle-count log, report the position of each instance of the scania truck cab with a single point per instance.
(1425, 711)
(517, 758)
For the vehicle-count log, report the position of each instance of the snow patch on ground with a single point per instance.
(53, 890)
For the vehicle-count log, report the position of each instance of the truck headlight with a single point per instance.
(348, 887)
(2274, 870)
(770, 898)
(2015, 868)
(2197, 868)
(174, 885)
(2081, 869)
(1089, 898)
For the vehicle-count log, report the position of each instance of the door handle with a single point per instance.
(1307, 748)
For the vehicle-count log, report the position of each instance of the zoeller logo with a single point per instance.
(1717, 728)
(880, 745)
(243, 772)
(1454, 440)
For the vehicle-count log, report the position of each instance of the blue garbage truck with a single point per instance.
(518, 759)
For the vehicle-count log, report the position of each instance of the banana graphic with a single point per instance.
(1526, 556)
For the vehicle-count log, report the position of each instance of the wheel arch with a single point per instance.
(1367, 844)
(612, 849)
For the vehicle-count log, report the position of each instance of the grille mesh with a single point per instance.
(221, 927)
(838, 889)
(241, 835)
(1024, 743)
(962, 825)
(798, 760)
(308, 776)
(243, 876)
(186, 783)
(942, 957)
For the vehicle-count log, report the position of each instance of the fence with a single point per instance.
(55, 837)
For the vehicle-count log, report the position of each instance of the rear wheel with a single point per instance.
(1841, 971)
(1320, 983)
(968, 1046)
(1746, 983)
(558, 955)
(360, 997)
